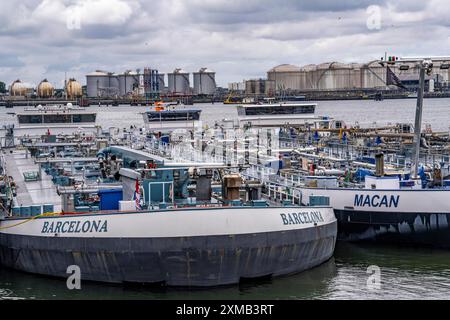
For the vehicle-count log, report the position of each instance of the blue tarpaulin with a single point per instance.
(361, 174)
(109, 199)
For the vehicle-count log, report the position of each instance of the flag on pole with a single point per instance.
(392, 79)
(137, 196)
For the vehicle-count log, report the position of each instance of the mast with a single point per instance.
(418, 121)
(425, 65)
(65, 85)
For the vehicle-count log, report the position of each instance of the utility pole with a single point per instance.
(65, 85)
(425, 65)
(418, 122)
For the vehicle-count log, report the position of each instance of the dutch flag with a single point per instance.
(137, 196)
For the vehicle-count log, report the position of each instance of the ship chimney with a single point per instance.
(379, 165)
(231, 186)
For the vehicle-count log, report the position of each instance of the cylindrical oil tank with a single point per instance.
(311, 76)
(355, 78)
(286, 77)
(73, 89)
(114, 84)
(373, 75)
(102, 84)
(128, 82)
(179, 81)
(45, 89)
(162, 82)
(20, 89)
(204, 81)
(334, 76)
(95, 81)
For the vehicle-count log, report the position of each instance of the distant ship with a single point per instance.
(57, 119)
(276, 114)
(165, 119)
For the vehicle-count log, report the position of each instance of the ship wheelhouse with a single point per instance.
(276, 109)
(55, 118)
(173, 115)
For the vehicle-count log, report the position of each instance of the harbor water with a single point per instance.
(404, 273)
(366, 113)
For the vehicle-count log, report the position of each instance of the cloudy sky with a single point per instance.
(239, 39)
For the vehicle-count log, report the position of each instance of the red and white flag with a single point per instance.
(137, 196)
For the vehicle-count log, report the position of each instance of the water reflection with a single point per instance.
(406, 273)
(307, 285)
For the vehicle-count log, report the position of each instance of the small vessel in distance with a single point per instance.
(277, 114)
(58, 119)
(165, 120)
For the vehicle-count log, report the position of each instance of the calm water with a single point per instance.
(366, 113)
(406, 273)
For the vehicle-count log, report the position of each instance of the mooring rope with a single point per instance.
(48, 214)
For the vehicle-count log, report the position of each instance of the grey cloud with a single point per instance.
(336, 6)
(239, 39)
(10, 61)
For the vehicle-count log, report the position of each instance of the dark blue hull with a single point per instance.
(407, 228)
(186, 261)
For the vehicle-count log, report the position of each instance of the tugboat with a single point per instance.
(191, 225)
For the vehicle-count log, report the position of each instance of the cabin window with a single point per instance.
(57, 118)
(30, 119)
(173, 116)
(279, 110)
(77, 118)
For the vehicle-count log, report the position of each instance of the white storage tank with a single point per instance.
(20, 89)
(373, 75)
(204, 81)
(162, 82)
(45, 89)
(102, 84)
(129, 81)
(73, 89)
(179, 82)
(286, 76)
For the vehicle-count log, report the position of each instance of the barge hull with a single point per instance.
(408, 228)
(176, 261)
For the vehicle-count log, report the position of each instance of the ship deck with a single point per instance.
(39, 192)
